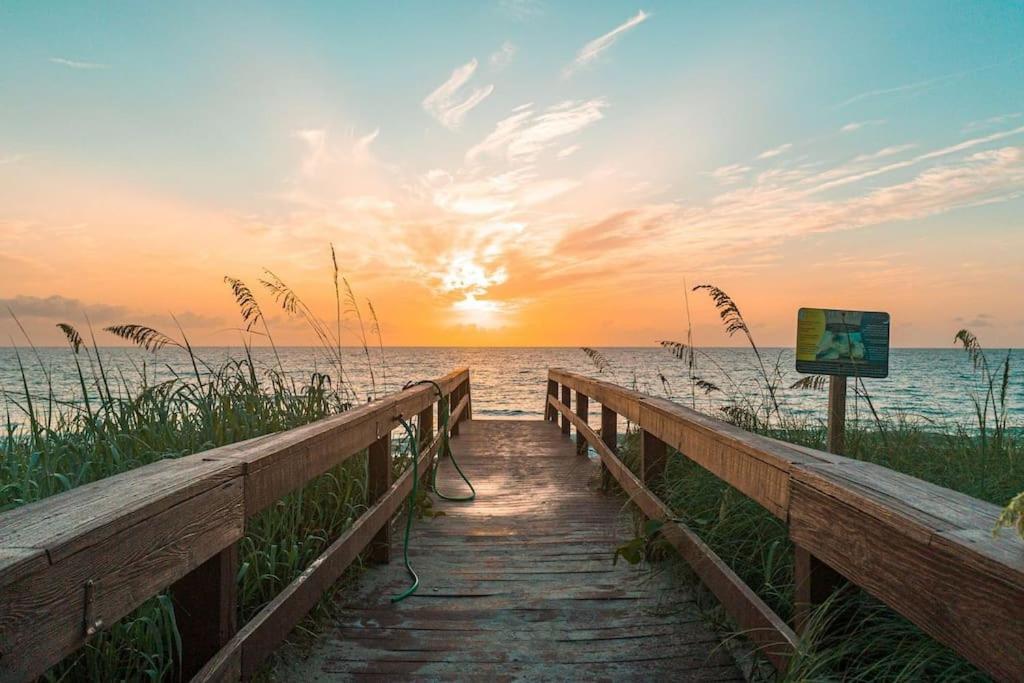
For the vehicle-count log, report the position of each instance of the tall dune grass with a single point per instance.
(852, 637)
(118, 423)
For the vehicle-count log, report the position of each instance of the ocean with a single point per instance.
(930, 385)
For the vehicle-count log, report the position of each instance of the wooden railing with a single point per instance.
(924, 550)
(74, 563)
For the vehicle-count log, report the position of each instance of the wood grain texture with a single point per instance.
(775, 639)
(755, 465)
(962, 598)
(256, 640)
(41, 615)
(132, 535)
(519, 584)
(906, 541)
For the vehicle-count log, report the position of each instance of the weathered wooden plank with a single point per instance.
(41, 615)
(268, 628)
(286, 462)
(756, 466)
(17, 563)
(67, 523)
(131, 535)
(271, 625)
(961, 603)
(487, 600)
(774, 637)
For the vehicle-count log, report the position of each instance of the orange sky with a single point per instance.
(548, 180)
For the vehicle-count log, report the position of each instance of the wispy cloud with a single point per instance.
(728, 175)
(445, 103)
(503, 56)
(567, 151)
(775, 151)
(884, 152)
(592, 50)
(992, 121)
(525, 134)
(77, 64)
(919, 159)
(923, 85)
(857, 125)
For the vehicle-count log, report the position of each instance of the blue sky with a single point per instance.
(706, 138)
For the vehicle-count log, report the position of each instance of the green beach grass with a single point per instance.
(119, 423)
(852, 637)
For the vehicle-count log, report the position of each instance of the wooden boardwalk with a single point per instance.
(518, 584)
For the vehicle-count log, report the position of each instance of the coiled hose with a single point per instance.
(443, 417)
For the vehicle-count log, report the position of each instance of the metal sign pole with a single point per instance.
(836, 413)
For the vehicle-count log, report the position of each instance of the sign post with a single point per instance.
(841, 344)
(836, 413)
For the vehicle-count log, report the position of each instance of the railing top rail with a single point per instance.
(38, 534)
(927, 507)
(927, 551)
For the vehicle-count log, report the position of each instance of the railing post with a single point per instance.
(550, 413)
(566, 401)
(206, 609)
(426, 433)
(378, 482)
(582, 412)
(815, 582)
(653, 453)
(453, 403)
(610, 437)
(469, 399)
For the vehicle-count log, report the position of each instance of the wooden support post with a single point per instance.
(453, 403)
(653, 452)
(550, 413)
(836, 414)
(378, 482)
(426, 433)
(566, 401)
(206, 609)
(610, 437)
(469, 401)
(815, 582)
(582, 412)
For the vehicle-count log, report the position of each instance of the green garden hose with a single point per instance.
(446, 448)
(415, 446)
(414, 441)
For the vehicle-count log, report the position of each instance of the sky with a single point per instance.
(513, 172)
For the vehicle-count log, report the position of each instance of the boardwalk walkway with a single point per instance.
(519, 584)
